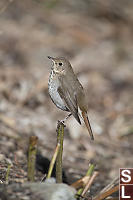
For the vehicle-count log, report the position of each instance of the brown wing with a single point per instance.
(70, 101)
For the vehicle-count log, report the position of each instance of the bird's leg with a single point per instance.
(63, 121)
(67, 117)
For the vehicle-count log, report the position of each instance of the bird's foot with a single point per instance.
(64, 120)
(61, 122)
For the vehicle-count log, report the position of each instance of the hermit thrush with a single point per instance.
(66, 91)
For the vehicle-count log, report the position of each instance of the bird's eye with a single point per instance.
(60, 64)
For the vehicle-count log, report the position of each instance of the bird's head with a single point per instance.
(60, 65)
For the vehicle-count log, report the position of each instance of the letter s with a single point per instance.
(125, 173)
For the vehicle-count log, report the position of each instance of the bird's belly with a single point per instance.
(57, 100)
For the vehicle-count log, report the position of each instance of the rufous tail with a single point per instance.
(87, 123)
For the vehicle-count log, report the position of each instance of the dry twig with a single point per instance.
(32, 157)
(53, 160)
(8, 171)
(89, 173)
(89, 183)
(107, 193)
(60, 137)
(81, 182)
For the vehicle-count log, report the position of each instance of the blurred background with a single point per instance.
(97, 37)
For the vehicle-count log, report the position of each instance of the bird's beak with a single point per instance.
(51, 58)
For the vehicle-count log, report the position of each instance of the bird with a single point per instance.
(66, 91)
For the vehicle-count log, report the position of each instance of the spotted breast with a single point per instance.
(53, 85)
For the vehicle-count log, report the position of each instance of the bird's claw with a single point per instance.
(62, 122)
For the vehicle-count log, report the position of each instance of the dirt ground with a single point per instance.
(97, 37)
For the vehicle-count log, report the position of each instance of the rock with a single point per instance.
(41, 191)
